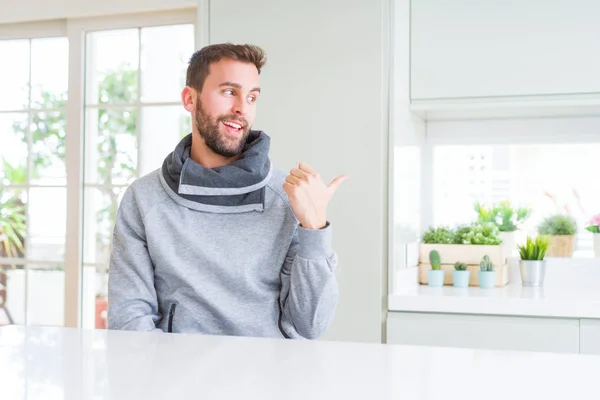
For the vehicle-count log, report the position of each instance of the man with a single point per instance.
(217, 241)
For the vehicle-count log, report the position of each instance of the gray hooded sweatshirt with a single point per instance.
(219, 251)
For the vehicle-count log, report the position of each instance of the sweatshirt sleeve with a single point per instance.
(132, 301)
(309, 291)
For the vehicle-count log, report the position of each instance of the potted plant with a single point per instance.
(12, 233)
(465, 244)
(560, 230)
(487, 274)
(507, 218)
(532, 263)
(594, 227)
(460, 275)
(435, 275)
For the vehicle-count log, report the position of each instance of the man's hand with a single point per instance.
(309, 196)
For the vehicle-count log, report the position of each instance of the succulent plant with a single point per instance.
(434, 260)
(534, 249)
(486, 265)
(460, 266)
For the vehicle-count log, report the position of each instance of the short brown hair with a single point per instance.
(202, 59)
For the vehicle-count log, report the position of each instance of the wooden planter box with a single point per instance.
(561, 246)
(468, 254)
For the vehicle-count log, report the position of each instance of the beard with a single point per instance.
(215, 140)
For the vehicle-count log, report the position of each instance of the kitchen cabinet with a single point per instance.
(557, 335)
(465, 49)
(589, 336)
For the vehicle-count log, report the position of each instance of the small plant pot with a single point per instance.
(532, 272)
(435, 278)
(487, 279)
(561, 246)
(461, 278)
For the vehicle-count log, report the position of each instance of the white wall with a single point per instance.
(21, 11)
(324, 101)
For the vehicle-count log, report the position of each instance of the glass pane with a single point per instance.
(161, 129)
(166, 51)
(47, 224)
(111, 146)
(95, 293)
(13, 223)
(526, 175)
(112, 63)
(100, 211)
(14, 75)
(13, 148)
(49, 72)
(48, 148)
(46, 295)
(12, 294)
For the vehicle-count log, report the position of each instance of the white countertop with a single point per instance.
(60, 363)
(513, 299)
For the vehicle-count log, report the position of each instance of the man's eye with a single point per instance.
(228, 92)
(252, 99)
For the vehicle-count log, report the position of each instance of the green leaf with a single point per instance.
(593, 229)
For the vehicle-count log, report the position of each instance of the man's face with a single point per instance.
(226, 106)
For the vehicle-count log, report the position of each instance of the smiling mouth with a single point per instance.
(233, 127)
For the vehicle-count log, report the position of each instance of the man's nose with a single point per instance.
(240, 107)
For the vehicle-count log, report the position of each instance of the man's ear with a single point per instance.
(188, 95)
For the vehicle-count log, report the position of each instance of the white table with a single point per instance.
(60, 363)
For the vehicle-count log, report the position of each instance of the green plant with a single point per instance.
(439, 235)
(505, 217)
(12, 224)
(594, 224)
(434, 260)
(460, 266)
(486, 265)
(558, 225)
(533, 249)
(482, 234)
(460, 233)
(475, 233)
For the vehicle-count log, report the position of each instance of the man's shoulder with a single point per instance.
(146, 190)
(276, 183)
(147, 184)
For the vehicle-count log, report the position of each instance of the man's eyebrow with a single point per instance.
(238, 86)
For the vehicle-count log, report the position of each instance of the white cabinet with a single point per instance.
(485, 332)
(589, 336)
(473, 48)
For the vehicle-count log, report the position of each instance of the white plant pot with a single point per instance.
(508, 242)
(596, 237)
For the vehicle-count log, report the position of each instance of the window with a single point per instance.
(33, 180)
(123, 76)
(547, 178)
(442, 168)
(133, 119)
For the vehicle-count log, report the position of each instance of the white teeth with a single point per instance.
(233, 125)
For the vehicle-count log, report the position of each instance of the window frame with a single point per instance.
(75, 31)
(31, 31)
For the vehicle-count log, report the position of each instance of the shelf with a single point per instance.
(575, 105)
